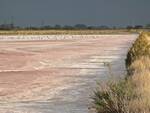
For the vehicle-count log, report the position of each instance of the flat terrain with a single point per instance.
(69, 32)
(57, 76)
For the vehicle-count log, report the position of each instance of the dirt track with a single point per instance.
(57, 76)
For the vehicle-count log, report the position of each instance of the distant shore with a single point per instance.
(70, 32)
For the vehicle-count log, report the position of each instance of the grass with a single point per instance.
(114, 97)
(140, 48)
(132, 94)
(141, 81)
(143, 63)
(64, 32)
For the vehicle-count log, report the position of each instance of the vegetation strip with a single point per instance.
(69, 32)
(130, 95)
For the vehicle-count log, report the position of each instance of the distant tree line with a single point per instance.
(69, 27)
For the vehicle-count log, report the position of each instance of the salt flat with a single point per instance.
(57, 73)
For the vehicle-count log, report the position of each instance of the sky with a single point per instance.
(71, 12)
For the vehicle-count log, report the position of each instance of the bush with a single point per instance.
(114, 98)
(140, 48)
(131, 95)
(142, 64)
(141, 81)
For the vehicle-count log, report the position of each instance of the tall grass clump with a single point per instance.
(140, 48)
(114, 97)
(141, 80)
(132, 94)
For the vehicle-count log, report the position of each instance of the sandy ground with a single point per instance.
(57, 76)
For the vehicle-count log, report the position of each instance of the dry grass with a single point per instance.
(140, 48)
(131, 95)
(114, 97)
(72, 32)
(140, 71)
(141, 81)
(142, 64)
(62, 32)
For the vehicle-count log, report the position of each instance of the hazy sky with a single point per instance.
(70, 12)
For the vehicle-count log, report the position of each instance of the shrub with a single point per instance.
(131, 95)
(114, 98)
(140, 78)
(140, 48)
(142, 64)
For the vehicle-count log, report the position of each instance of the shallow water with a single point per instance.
(74, 66)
